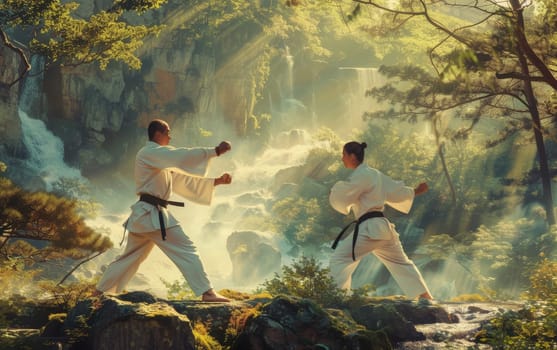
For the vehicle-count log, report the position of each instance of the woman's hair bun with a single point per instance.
(364, 145)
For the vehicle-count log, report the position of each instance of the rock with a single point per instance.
(285, 190)
(138, 320)
(218, 317)
(386, 318)
(250, 199)
(252, 255)
(10, 125)
(130, 321)
(291, 138)
(291, 323)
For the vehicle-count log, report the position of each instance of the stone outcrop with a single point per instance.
(253, 257)
(10, 125)
(138, 320)
(289, 323)
(133, 321)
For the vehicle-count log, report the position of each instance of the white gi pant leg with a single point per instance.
(388, 251)
(177, 246)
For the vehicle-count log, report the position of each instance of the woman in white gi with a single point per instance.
(366, 192)
(161, 170)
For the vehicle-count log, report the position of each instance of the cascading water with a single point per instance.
(46, 151)
(290, 65)
(365, 78)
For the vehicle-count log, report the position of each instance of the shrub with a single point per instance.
(305, 278)
(535, 326)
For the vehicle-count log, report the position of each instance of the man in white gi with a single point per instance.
(366, 192)
(161, 170)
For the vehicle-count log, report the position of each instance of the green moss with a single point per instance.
(469, 298)
(57, 317)
(204, 341)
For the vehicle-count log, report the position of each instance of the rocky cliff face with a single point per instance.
(101, 115)
(10, 126)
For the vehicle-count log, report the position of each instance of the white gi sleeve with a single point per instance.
(196, 189)
(397, 195)
(193, 161)
(345, 194)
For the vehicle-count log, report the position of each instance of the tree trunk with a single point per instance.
(440, 145)
(547, 196)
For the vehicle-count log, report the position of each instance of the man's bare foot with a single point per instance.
(213, 297)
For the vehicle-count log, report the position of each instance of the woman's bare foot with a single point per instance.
(213, 297)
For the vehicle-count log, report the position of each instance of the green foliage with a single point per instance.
(305, 278)
(544, 281)
(477, 71)
(64, 38)
(178, 290)
(68, 295)
(136, 5)
(408, 157)
(14, 278)
(535, 326)
(79, 191)
(27, 218)
(297, 218)
(495, 257)
(46, 217)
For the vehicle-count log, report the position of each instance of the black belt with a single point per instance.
(144, 197)
(368, 215)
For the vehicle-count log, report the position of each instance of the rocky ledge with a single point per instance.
(138, 320)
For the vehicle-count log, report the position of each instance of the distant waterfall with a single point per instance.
(46, 151)
(365, 79)
(288, 112)
(31, 95)
(290, 63)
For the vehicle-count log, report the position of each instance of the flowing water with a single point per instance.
(457, 336)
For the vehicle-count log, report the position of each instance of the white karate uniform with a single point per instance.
(368, 189)
(161, 171)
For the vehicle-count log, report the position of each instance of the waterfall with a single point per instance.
(290, 66)
(31, 94)
(289, 113)
(365, 78)
(46, 151)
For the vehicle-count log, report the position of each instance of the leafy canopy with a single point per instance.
(56, 32)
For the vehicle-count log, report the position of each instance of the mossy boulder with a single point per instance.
(292, 323)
